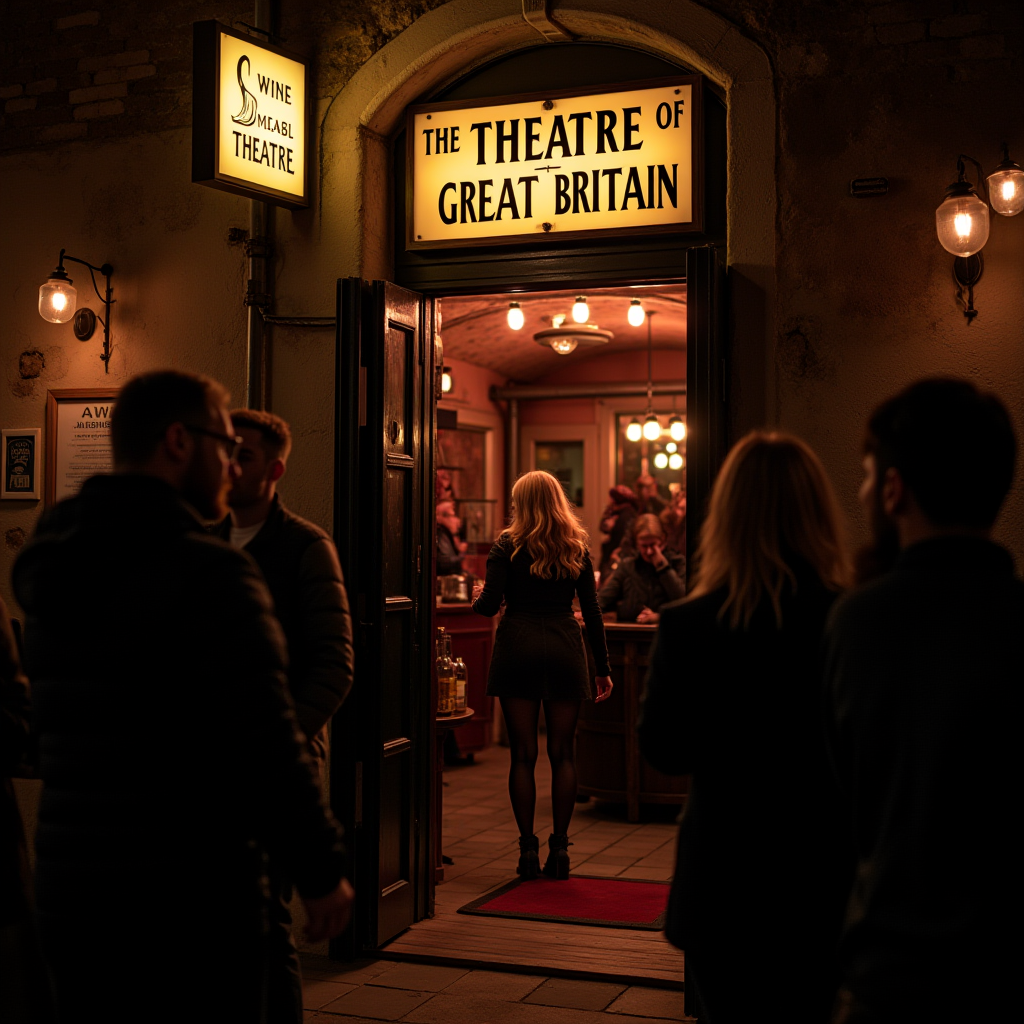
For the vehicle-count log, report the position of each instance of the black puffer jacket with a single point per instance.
(168, 746)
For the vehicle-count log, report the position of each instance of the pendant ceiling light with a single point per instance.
(566, 337)
(580, 310)
(677, 428)
(515, 316)
(635, 315)
(635, 430)
(651, 428)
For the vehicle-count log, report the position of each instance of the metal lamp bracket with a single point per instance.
(967, 271)
(85, 319)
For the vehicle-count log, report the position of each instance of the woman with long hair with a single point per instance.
(733, 700)
(537, 566)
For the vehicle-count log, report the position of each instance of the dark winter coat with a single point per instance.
(300, 564)
(171, 761)
(925, 671)
(636, 584)
(763, 866)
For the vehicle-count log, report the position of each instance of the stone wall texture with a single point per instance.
(95, 112)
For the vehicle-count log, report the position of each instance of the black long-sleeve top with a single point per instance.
(510, 579)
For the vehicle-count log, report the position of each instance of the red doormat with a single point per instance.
(580, 899)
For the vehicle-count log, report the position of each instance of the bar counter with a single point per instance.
(608, 759)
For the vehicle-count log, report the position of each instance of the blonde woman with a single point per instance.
(734, 700)
(537, 566)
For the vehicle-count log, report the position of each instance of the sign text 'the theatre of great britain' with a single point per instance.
(558, 165)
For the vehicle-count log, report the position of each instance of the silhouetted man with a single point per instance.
(300, 564)
(171, 761)
(924, 674)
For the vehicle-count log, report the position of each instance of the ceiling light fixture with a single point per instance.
(515, 316)
(676, 461)
(635, 314)
(635, 430)
(580, 310)
(58, 300)
(564, 339)
(661, 461)
(677, 428)
(651, 428)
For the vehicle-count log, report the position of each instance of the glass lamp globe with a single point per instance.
(515, 316)
(677, 428)
(57, 298)
(671, 447)
(580, 310)
(661, 460)
(675, 461)
(652, 428)
(634, 431)
(563, 346)
(1006, 187)
(636, 314)
(961, 221)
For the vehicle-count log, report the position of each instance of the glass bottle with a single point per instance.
(445, 675)
(461, 684)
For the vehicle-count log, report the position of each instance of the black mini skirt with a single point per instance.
(539, 656)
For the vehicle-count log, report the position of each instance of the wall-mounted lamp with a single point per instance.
(58, 300)
(635, 315)
(962, 221)
(446, 380)
(515, 316)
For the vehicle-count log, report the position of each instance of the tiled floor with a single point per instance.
(480, 836)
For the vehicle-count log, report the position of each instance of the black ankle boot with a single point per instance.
(529, 858)
(557, 864)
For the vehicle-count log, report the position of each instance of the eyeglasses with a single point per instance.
(227, 443)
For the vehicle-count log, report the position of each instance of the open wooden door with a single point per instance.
(381, 767)
(706, 421)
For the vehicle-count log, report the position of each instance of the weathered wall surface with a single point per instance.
(94, 157)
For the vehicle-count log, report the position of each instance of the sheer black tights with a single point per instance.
(521, 717)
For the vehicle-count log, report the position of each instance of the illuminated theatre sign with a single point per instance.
(249, 116)
(564, 165)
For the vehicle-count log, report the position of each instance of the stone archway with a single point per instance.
(357, 124)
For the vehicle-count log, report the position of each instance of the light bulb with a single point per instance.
(961, 221)
(1006, 189)
(57, 299)
(636, 314)
(558, 319)
(515, 316)
(563, 346)
(671, 447)
(677, 428)
(446, 380)
(580, 310)
(675, 461)
(661, 460)
(652, 428)
(634, 431)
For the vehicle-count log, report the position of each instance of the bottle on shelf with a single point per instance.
(445, 675)
(461, 683)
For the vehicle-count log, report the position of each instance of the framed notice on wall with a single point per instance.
(77, 438)
(21, 463)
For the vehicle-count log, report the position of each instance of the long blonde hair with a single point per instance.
(771, 506)
(544, 523)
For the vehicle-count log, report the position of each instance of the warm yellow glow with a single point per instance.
(261, 117)
(540, 170)
(634, 431)
(515, 316)
(962, 224)
(57, 300)
(1006, 188)
(580, 310)
(661, 460)
(1009, 189)
(563, 346)
(446, 381)
(652, 428)
(675, 461)
(671, 447)
(677, 428)
(636, 314)
(558, 319)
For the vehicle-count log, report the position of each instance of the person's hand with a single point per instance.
(327, 916)
(604, 686)
(478, 589)
(646, 616)
(658, 559)
(460, 545)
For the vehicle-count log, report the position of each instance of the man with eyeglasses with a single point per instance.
(173, 768)
(300, 564)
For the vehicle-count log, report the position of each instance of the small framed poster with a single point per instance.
(77, 438)
(21, 463)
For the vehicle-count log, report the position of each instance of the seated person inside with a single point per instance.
(449, 548)
(644, 582)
